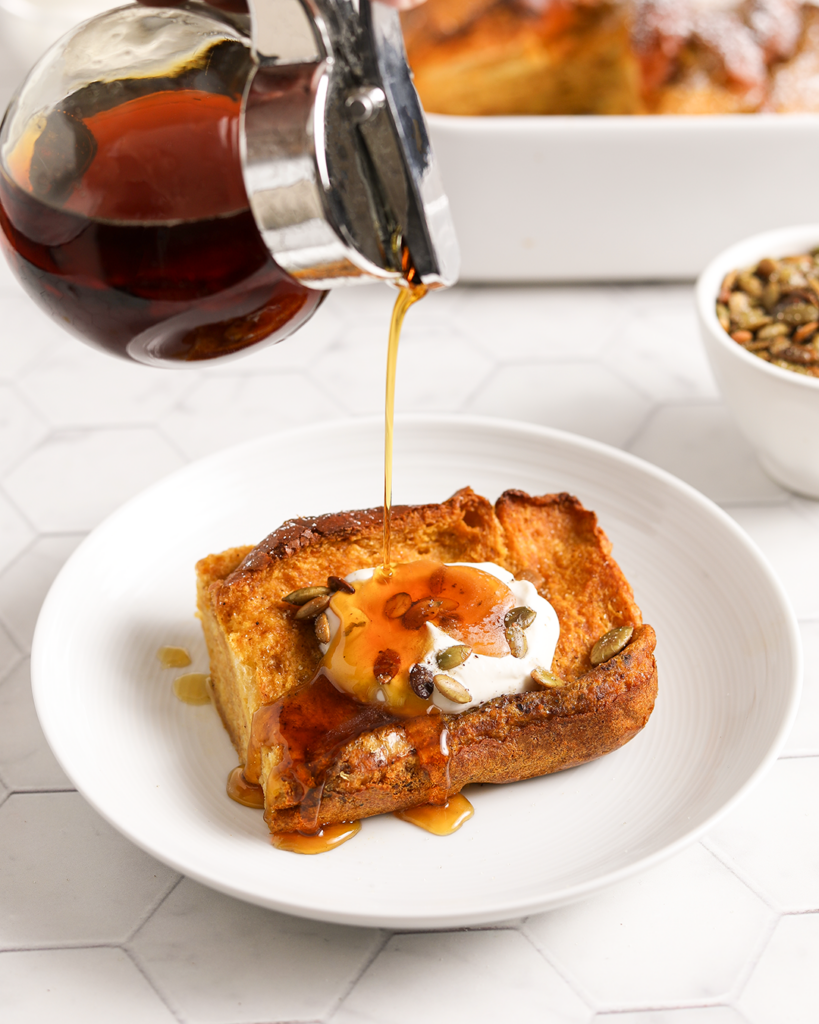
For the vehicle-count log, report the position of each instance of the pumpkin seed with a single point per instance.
(757, 346)
(802, 356)
(420, 612)
(397, 605)
(766, 268)
(387, 664)
(421, 680)
(532, 576)
(611, 643)
(791, 275)
(306, 594)
(771, 294)
(322, 627)
(452, 657)
(738, 304)
(796, 313)
(339, 583)
(751, 320)
(516, 639)
(772, 331)
(779, 345)
(727, 285)
(452, 689)
(523, 616)
(750, 283)
(545, 678)
(314, 607)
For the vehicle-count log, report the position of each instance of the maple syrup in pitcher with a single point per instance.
(125, 216)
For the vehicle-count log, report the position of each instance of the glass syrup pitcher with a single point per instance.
(181, 182)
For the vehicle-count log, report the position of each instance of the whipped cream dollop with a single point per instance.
(484, 676)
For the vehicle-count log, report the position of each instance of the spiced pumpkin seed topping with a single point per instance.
(306, 594)
(339, 583)
(452, 657)
(397, 605)
(422, 681)
(451, 689)
(522, 615)
(543, 677)
(322, 628)
(420, 612)
(386, 667)
(772, 310)
(611, 643)
(313, 607)
(516, 639)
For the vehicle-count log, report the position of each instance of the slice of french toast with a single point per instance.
(260, 654)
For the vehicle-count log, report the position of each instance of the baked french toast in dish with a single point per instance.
(558, 57)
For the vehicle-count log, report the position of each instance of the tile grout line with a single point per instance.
(651, 412)
(15, 662)
(747, 881)
(750, 964)
(29, 545)
(149, 981)
(153, 909)
(335, 1007)
(41, 792)
(49, 429)
(609, 1016)
(172, 444)
(560, 970)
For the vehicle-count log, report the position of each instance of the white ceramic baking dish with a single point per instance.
(620, 198)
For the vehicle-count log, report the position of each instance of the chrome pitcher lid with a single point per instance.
(338, 165)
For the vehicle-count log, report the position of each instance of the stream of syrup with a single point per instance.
(407, 296)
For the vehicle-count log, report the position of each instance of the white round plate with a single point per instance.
(728, 655)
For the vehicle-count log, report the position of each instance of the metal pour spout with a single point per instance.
(337, 159)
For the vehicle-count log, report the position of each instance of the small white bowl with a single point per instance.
(776, 409)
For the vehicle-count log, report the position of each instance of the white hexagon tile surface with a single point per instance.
(93, 930)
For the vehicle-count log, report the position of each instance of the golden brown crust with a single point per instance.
(562, 542)
(258, 653)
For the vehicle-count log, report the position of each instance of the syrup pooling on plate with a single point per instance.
(322, 841)
(174, 657)
(192, 688)
(439, 819)
(248, 794)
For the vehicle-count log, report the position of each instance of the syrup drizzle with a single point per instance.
(407, 296)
